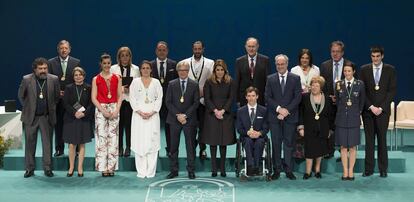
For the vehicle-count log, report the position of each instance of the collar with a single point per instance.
(379, 66)
(194, 60)
(186, 79)
(254, 57)
(158, 60)
(66, 60)
(340, 62)
(285, 74)
(352, 81)
(249, 106)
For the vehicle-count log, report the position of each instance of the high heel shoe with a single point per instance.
(80, 174)
(69, 174)
(307, 176)
(213, 174)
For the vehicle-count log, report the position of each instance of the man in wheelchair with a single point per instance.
(252, 127)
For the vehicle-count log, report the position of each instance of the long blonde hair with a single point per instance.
(226, 77)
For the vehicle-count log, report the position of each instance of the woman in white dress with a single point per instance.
(146, 100)
(305, 69)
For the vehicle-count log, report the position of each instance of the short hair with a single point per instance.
(63, 42)
(162, 43)
(252, 38)
(318, 79)
(350, 64)
(182, 64)
(377, 49)
(284, 56)
(39, 61)
(338, 43)
(252, 89)
(199, 42)
(124, 49)
(105, 56)
(306, 51)
(80, 70)
(220, 63)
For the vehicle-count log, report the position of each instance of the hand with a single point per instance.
(126, 89)
(62, 93)
(280, 117)
(79, 115)
(283, 111)
(333, 98)
(114, 114)
(376, 110)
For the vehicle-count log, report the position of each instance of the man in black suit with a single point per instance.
(62, 66)
(283, 95)
(331, 71)
(253, 127)
(38, 94)
(380, 87)
(252, 69)
(182, 100)
(163, 69)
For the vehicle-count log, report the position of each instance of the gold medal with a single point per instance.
(317, 117)
(162, 80)
(146, 100)
(63, 78)
(109, 96)
(338, 86)
(182, 99)
(377, 87)
(251, 128)
(41, 95)
(349, 102)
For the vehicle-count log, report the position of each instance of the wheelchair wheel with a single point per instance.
(268, 160)
(238, 159)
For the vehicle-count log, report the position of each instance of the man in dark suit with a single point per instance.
(62, 66)
(182, 100)
(332, 71)
(283, 95)
(38, 94)
(163, 69)
(380, 87)
(252, 127)
(252, 69)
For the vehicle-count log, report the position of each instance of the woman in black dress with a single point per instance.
(316, 125)
(78, 119)
(218, 122)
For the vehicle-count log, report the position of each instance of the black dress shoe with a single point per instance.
(28, 173)
(383, 174)
(203, 155)
(213, 174)
(80, 174)
(172, 175)
(223, 174)
(367, 174)
(191, 175)
(307, 176)
(318, 175)
(344, 178)
(351, 178)
(275, 176)
(127, 152)
(49, 173)
(291, 176)
(58, 153)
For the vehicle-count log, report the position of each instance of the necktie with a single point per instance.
(282, 84)
(64, 65)
(349, 87)
(336, 72)
(251, 67)
(124, 73)
(252, 115)
(377, 76)
(182, 87)
(161, 70)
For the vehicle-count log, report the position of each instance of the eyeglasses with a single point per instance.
(183, 70)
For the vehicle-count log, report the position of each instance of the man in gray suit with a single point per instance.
(38, 94)
(62, 66)
(182, 101)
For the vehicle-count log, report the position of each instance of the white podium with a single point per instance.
(11, 127)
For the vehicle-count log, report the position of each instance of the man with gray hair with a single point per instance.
(62, 66)
(283, 95)
(251, 70)
(182, 100)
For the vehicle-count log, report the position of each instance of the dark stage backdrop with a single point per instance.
(31, 29)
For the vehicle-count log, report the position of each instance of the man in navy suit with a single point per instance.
(182, 100)
(252, 127)
(163, 69)
(62, 66)
(283, 95)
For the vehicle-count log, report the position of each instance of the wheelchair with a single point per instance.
(265, 169)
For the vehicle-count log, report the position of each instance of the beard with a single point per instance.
(42, 75)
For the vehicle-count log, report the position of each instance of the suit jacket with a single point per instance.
(326, 70)
(28, 97)
(388, 87)
(55, 68)
(260, 122)
(290, 99)
(190, 105)
(243, 79)
(349, 116)
(71, 97)
(170, 74)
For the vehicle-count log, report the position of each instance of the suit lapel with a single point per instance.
(59, 67)
(49, 88)
(33, 84)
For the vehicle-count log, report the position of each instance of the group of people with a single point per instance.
(195, 96)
